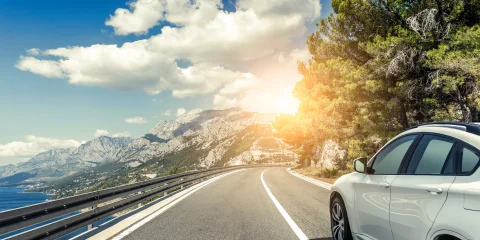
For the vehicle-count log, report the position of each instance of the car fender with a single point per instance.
(344, 187)
(439, 233)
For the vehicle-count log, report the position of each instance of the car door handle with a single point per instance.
(384, 185)
(435, 190)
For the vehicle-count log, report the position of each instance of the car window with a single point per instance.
(433, 155)
(389, 159)
(470, 159)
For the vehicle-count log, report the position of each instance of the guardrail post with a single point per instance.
(90, 226)
(140, 204)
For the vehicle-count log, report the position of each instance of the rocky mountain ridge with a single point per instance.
(209, 132)
(197, 139)
(68, 161)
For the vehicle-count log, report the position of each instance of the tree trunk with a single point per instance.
(475, 114)
(403, 116)
(463, 106)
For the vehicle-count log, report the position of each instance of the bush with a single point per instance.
(331, 173)
(328, 173)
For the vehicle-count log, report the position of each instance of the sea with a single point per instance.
(11, 198)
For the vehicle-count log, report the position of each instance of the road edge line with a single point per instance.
(282, 211)
(168, 206)
(316, 182)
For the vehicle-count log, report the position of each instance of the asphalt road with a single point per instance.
(237, 206)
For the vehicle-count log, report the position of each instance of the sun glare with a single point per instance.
(287, 104)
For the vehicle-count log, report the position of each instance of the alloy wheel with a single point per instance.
(338, 229)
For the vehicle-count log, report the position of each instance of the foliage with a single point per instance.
(328, 173)
(286, 127)
(381, 66)
(175, 170)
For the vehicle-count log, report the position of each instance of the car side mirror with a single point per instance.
(359, 164)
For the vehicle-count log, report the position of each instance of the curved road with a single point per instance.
(237, 206)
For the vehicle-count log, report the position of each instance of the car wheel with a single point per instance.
(339, 220)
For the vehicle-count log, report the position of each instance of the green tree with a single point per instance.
(381, 66)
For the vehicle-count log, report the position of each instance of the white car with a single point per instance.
(422, 185)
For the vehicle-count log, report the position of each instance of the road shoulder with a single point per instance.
(319, 183)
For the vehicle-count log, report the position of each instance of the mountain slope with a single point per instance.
(63, 162)
(218, 137)
(196, 140)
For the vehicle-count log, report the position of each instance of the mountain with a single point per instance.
(63, 162)
(196, 140)
(206, 138)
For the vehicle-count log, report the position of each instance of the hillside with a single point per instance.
(196, 140)
(218, 137)
(59, 163)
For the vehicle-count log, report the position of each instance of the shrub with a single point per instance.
(328, 173)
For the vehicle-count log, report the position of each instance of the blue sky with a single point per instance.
(52, 108)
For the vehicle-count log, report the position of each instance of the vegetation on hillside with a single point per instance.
(112, 174)
(379, 67)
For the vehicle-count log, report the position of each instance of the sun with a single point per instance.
(286, 105)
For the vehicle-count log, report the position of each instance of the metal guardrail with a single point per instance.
(129, 195)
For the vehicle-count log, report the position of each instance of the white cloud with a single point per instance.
(33, 51)
(226, 50)
(167, 113)
(136, 120)
(129, 67)
(181, 111)
(230, 38)
(46, 68)
(122, 134)
(145, 14)
(309, 9)
(34, 145)
(101, 132)
(202, 79)
(125, 21)
(253, 94)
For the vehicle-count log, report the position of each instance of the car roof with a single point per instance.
(451, 131)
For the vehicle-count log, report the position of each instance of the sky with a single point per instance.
(71, 71)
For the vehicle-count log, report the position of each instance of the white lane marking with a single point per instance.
(284, 213)
(81, 234)
(162, 210)
(108, 221)
(319, 183)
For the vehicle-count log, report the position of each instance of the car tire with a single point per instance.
(340, 226)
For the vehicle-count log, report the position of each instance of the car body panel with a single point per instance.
(471, 199)
(344, 187)
(459, 215)
(453, 216)
(361, 237)
(413, 209)
(372, 203)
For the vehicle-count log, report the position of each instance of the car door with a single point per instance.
(418, 194)
(372, 195)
